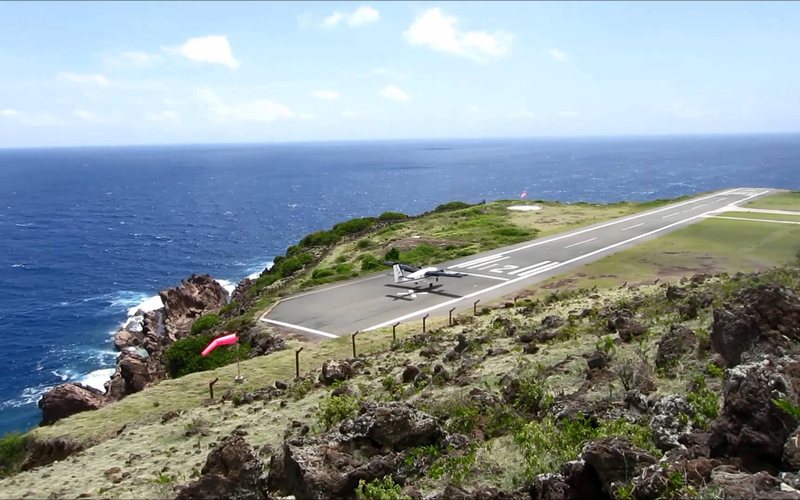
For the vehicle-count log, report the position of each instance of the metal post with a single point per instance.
(450, 316)
(239, 379)
(394, 332)
(297, 362)
(515, 299)
(354, 343)
(475, 307)
(211, 387)
(423, 322)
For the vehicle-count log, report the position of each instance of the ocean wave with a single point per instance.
(29, 396)
(97, 378)
(29, 224)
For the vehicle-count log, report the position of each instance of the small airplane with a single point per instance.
(416, 275)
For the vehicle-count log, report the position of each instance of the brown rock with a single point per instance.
(68, 399)
(615, 459)
(678, 341)
(195, 296)
(232, 470)
(333, 371)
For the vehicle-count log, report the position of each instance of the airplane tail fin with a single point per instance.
(398, 273)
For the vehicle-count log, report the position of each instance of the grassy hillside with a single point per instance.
(151, 442)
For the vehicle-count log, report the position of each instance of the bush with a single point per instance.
(370, 263)
(353, 226)
(380, 489)
(12, 451)
(388, 216)
(453, 205)
(322, 272)
(704, 401)
(320, 239)
(335, 409)
(205, 322)
(363, 244)
(393, 254)
(183, 356)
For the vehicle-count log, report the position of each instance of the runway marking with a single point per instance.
(704, 204)
(670, 215)
(495, 258)
(754, 220)
(490, 265)
(525, 269)
(545, 269)
(484, 276)
(631, 227)
(383, 275)
(540, 270)
(580, 243)
(301, 328)
(507, 268)
(476, 261)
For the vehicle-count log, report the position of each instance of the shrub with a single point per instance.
(320, 239)
(388, 216)
(205, 322)
(353, 226)
(335, 409)
(532, 396)
(363, 244)
(322, 272)
(12, 451)
(370, 263)
(453, 205)
(704, 401)
(183, 356)
(380, 489)
(393, 254)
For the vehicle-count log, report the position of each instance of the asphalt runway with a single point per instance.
(375, 301)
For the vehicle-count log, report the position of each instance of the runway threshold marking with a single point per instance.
(476, 261)
(529, 268)
(540, 270)
(580, 243)
(484, 276)
(301, 328)
(497, 258)
(631, 227)
(548, 268)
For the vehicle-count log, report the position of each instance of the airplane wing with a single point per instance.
(446, 274)
(404, 267)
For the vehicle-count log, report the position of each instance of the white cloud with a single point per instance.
(473, 109)
(87, 116)
(307, 116)
(213, 49)
(395, 93)
(558, 55)
(439, 32)
(93, 78)
(326, 95)
(32, 119)
(166, 116)
(134, 59)
(260, 110)
(9, 113)
(685, 109)
(379, 71)
(349, 114)
(362, 16)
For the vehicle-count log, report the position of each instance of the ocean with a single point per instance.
(90, 234)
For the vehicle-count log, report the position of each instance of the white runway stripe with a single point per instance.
(476, 261)
(494, 263)
(580, 243)
(524, 269)
(495, 259)
(301, 328)
(540, 270)
(485, 276)
(631, 227)
(670, 215)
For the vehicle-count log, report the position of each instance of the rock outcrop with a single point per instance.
(196, 295)
(365, 448)
(232, 470)
(68, 399)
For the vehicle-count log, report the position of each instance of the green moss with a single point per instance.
(12, 451)
(203, 323)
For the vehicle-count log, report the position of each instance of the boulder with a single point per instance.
(552, 322)
(131, 376)
(791, 451)
(409, 373)
(655, 479)
(68, 399)
(618, 319)
(232, 470)
(394, 425)
(597, 360)
(758, 486)
(453, 492)
(764, 319)
(125, 338)
(667, 423)
(615, 460)
(678, 341)
(334, 371)
(750, 427)
(630, 330)
(195, 296)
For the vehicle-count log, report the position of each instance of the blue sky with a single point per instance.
(98, 73)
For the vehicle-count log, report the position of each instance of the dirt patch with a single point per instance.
(560, 283)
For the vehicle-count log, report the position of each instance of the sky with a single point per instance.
(118, 73)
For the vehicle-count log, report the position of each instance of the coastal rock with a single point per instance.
(124, 338)
(196, 295)
(68, 399)
(263, 342)
(232, 470)
(764, 319)
(737, 484)
(667, 424)
(678, 341)
(750, 426)
(130, 377)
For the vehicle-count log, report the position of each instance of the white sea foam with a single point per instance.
(227, 285)
(525, 208)
(147, 305)
(97, 378)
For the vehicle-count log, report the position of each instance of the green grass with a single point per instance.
(778, 201)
